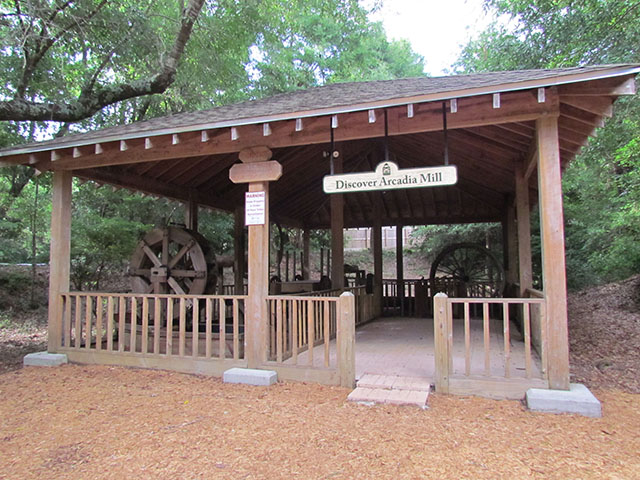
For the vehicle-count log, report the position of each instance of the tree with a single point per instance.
(604, 178)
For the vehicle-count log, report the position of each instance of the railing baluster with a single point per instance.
(326, 333)
(467, 341)
(294, 331)
(487, 339)
(507, 340)
(222, 314)
(527, 339)
(67, 321)
(122, 319)
(134, 324)
(98, 323)
(88, 312)
(311, 329)
(182, 327)
(208, 327)
(195, 327)
(157, 324)
(236, 330)
(169, 350)
(109, 324)
(279, 332)
(144, 347)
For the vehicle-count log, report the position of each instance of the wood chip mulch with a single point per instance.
(81, 422)
(604, 336)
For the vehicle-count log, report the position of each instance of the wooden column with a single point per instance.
(337, 231)
(257, 171)
(553, 256)
(239, 259)
(400, 268)
(376, 241)
(191, 215)
(510, 241)
(346, 340)
(442, 343)
(306, 270)
(60, 256)
(524, 231)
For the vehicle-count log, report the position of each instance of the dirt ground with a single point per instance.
(106, 422)
(109, 422)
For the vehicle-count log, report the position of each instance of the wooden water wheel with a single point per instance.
(467, 270)
(172, 260)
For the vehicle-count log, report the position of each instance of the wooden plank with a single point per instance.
(144, 348)
(99, 312)
(157, 324)
(507, 340)
(294, 331)
(195, 327)
(311, 328)
(493, 387)
(66, 339)
(208, 323)
(60, 255)
(88, 321)
(527, 339)
(553, 257)
(182, 327)
(134, 325)
(110, 323)
(278, 329)
(169, 349)
(326, 332)
(601, 106)
(222, 314)
(238, 250)
(78, 326)
(236, 330)
(467, 340)
(122, 319)
(524, 231)
(337, 231)
(255, 172)
(487, 338)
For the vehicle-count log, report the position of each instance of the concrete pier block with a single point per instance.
(44, 359)
(578, 399)
(250, 376)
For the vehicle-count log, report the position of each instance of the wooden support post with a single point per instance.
(346, 338)
(553, 257)
(60, 258)
(524, 231)
(258, 175)
(239, 260)
(337, 235)
(306, 240)
(376, 240)
(511, 246)
(442, 336)
(400, 268)
(191, 214)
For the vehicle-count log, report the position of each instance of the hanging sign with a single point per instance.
(254, 208)
(388, 176)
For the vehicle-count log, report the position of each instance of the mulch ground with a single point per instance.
(107, 422)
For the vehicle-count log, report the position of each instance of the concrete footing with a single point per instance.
(578, 399)
(250, 376)
(44, 359)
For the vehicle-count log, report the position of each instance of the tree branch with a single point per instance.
(86, 105)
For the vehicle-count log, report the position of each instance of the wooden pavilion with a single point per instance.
(508, 133)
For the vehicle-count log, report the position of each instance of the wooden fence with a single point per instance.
(312, 337)
(493, 366)
(192, 333)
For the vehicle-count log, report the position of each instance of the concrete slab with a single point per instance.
(394, 382)
(250, 376)
(44, 359)
(578, 399)
(370, 396)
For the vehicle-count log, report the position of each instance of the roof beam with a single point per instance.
(472, 111)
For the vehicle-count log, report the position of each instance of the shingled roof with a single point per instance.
(333, 99)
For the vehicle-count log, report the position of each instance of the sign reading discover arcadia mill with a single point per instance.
(388, 176)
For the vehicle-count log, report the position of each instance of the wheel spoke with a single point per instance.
(151, 255)
(181, 254)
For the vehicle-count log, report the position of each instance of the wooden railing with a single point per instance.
(363, 302)
(406, 298)
(154, 326)
(454, 325)
(300, 324)
(231, 289)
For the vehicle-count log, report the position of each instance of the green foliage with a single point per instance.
(602, 185)
(432, 239)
